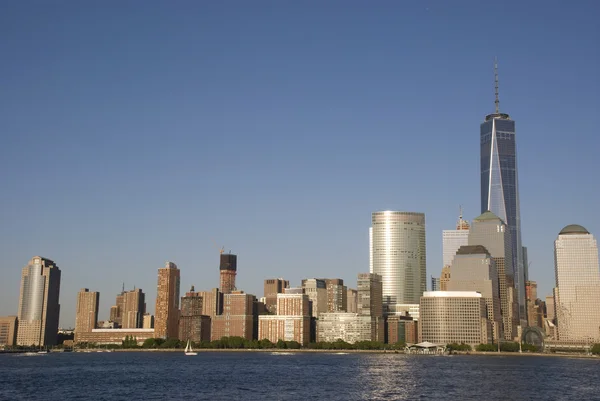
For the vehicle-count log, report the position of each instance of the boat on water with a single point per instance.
(43, 351)
(189, 350)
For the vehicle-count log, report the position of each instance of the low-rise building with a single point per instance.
(454, 317)
(349, 327)
(114, 336)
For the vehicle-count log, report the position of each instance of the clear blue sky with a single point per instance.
(133, 133)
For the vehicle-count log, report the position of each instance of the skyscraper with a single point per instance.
(491, 232)
(193, 325)
(228, 271)
(166, 315)
(499, 183)
(577, 292)
(397, 254)
(134, 307)
(454, 239)
(274, 286)
(38, 303)
(86, 318)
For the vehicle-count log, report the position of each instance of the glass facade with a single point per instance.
(397, 244)
(500, 189)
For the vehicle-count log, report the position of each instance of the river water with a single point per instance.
(300, 376)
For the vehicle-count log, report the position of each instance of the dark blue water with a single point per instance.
(301, 376)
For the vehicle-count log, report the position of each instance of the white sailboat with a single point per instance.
(189, 350)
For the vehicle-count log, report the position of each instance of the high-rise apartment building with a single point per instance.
(316, 289)
(86, 318)
(116, 311)
(292, 322)
(212, 302)
(491, 232)
(474, 269)
(228, 271)
(8, 330)
(274, 286)
(238, 318)
(134, 308)
(500, 184)
(193, 325)
(166, 315)
(39, 307)
(370, 303)
(352, 300)
(148, 321)
(577, 292)
(337, 296)
(398, 255)
(454, 317)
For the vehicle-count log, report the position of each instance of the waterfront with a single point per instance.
(295, 376)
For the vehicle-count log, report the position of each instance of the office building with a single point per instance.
(166, 314)
(500, 185)
(39, 307)
(86, 318)
(115, 336)
(212, 302)
(577, 292)
(134, 308)
(398, 255)
(402, 329)
(274, 286)
(491, 232)
(228, 271)
(550, 308)
(474, 269)
(435, 284)
(316, 289)
(8, 330)
(444, 278)
(352, 300)
(454, 239)
(370, 303)
(238, 318)
(116, 311)
(454, 317)
(349, 327)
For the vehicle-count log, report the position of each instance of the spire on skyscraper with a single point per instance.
(497, 101)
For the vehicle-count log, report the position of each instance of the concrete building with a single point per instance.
(352, 300)
(398, 255)
(148, 321)
(474, 269)
(39, 307)
(402, 329)
(8, 330)
(238, 318)
(193, 325)
(577, 292)
(228, 271)
(86, 318)
(350, 327)
(274, 286)
(370, 303)
(550, 308)
(292, 322)
(166, 314)
(444, 278)
(115, 336)
(337, 297)
(134, 308)
(316, 289)
(435, 284)
(454, 317)
(212, 302)
(535, 306)
(491, 232)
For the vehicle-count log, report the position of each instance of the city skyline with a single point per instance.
(318, 131)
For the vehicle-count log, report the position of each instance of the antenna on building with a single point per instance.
(497, 101)
(123, 290)
(460, 212)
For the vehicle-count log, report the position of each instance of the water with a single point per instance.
(301, 376)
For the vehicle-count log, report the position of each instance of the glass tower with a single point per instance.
(499, 185)
(397, 254)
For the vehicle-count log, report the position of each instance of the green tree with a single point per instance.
(487, 347)
(509, 347)
(595, 349)
(458, 347)
(281, 344)
(265, 344)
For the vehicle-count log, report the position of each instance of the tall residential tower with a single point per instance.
(166, 315)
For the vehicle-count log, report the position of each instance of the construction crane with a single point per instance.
(221, 250)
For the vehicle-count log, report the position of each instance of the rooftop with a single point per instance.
(573, 229)
(472, 250)
(451, 294)
(487, 215)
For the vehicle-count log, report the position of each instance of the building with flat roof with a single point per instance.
(8, 330)
(352, 300)
(454, 317)
(134, 308)
(227, 273)
(39, 307)
(292, 322)
(239, 317)
(86, 318)
(115, 336)
(166, 314)
(316, 289)
(272, 287)
(148, 321)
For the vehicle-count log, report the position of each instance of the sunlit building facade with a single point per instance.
(398, 255)
(577, 292)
